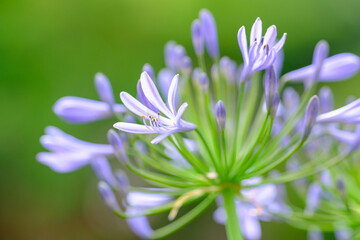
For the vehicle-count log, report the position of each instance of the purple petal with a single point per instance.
(279, 45)
(256, 31)
(118, 147)
(250, 227)
(243, 45)
(140, 226)
(161, 137)
(133, 128)
(270, 36)
(147, 200)
(181, 111)
(152, 94)
(103, 170)
(149, 70)
(64, 162)
(210, 33)
(172, 94)
(311, 113)
(104, 89)
(81, 110)
(326, 99)
(340, 67)
(108, 196)
(143, 99)
(197, 37)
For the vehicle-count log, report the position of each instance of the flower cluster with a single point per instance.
(220, 131)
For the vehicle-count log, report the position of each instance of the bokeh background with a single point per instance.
(53, 48)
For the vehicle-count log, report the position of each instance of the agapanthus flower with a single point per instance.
(153, 121)
(241, 125)
(261, 54)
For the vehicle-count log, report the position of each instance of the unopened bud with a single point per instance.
(220, 114)
(204, 82)
(108, 196)
(122, 182)
(341, 187)
(326, 99)
(104, 89)
(270, 87)
(215, 73)
(197, 37)
(209, 30)
(311, 113)
(149, 70)
(116, 143)
(186, 67)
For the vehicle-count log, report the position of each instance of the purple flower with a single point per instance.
(262, 51)
(82, 110)
(335, 68)
(154, 122)
(209, 31)
(69, 153)
(251, 209)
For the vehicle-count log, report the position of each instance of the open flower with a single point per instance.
(262, 51)
(154, 122)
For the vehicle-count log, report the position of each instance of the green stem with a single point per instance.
(233, 230)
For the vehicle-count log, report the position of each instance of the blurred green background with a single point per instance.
(53, 48)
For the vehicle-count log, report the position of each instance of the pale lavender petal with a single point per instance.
(164, 80)
(210, 33)
(197, 37)
(256, 31)
(81, 110)
(279, 62)
(250, 227)
(220, 215)
(134, 128)
(103, 170)
(340, 67)
(143, 99)
(118, 147)
(326, 99)
(149, 69)
(135, 106)
(161, 137)
(348, 113)
(172, 94)
(104, 89)
(64, 162)
(108, 196)
(140, 226)
(313, 198)
(344, 136)
(170, 61)
(122, 182)
(279, 45)
(220, 112)
(181, 111)
(152, 94)
(147, 200)
(270, 36)
(243, 45)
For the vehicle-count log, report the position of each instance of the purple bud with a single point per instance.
(108, 196)
(116, 143)
(149, 70)
(341, 187)
(215, 73)
(186, 67)
(291, 100)
(104, 89)
(209, 30)
(220, 114)
(320, 54)
(270, 87)
(311, 113)
(228, 69)
(197, 37)
(103, 170)
(196, 75)
(326, 99)
(204, 82)
(313, 198)
(122, 182)
(274, 105)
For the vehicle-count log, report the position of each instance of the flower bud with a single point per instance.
(320, 54)
(341, 188)
(220, 114)
(270, 87)
(122, 182)
(204, 82)
(228, 69)
(209, 30)
(116, 143)
(311, 113)
(149, 70)
(108, 196)
(326, 99)
(274, 105)
(103, 170)
(197, 37)
(104, 89)
(215, 73)
(186, 67)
